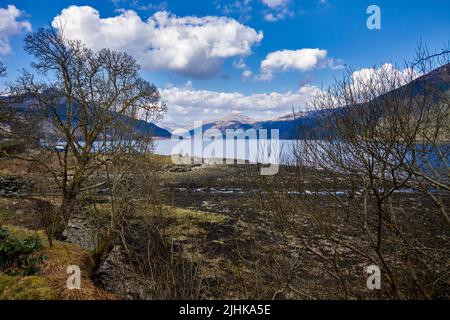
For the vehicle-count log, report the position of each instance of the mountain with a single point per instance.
(289, 124)
(151, 128)
(231, 121)
(141, 126)
(172, 126)
(286, 124)
(235, 118)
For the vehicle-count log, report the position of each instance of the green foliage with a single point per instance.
(17, 253)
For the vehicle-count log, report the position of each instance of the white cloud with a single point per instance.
(278, 15)
(10, 26)
(366, 75)
(278, 10)
(241, 8)
(190, 45)
(198, 102)
(246, 74)
(382, 79)
(288, 60)
(275, 3)
(180, 109)
(240, 64)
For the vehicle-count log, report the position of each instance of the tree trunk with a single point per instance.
(102, 250)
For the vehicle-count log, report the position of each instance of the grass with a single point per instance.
(185, 223)
(19, 167)
(23, 232)
(232, 278)
(62, 255)
(50, 282)
(8, 214)
(14, 286)
(26, 288)
(160, 159)
(3, 212)
(22, 212)
(197, 215)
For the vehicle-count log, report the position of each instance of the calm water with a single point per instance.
(261, 150)
(274, 151)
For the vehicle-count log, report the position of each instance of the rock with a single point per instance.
(12, 186)
(116, 276)
(81, 234)
(179, 169)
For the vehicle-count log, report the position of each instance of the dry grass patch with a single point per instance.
(51, 280)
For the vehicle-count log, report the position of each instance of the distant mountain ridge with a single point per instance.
(286, 124)
(140, 126)
(289, 124)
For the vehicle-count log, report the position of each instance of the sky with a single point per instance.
(259, 58)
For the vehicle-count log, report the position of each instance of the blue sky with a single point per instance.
(256, 57)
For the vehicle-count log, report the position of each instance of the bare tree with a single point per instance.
(377, 139)
(2, 69)
(87, 104)
(4, 111)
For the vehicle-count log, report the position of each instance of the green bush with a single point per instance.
(17, 254)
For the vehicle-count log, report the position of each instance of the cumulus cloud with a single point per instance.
(382, 79)
(10, 26)
(365, 75)
(288, 60)
(194, 46)
(197, 102)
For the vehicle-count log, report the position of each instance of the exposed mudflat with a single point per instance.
(221, 240)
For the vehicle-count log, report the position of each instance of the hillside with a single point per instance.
(140, 125)
(303, 124)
